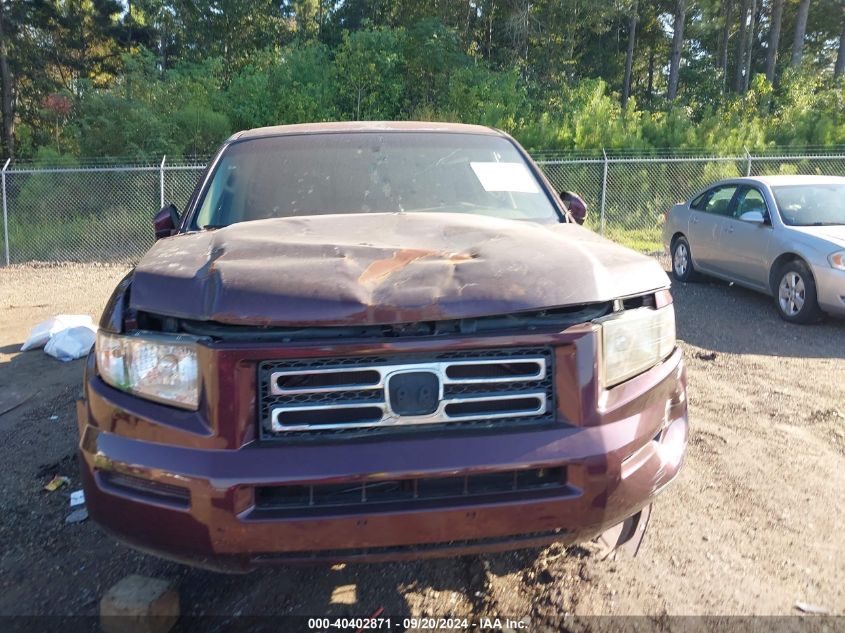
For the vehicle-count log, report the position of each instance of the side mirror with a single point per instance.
(166, 221)
(575, 205)
(755, 217)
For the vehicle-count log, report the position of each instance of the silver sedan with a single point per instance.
(781, 235)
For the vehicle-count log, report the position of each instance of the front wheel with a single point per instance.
(682, 268)
(795, 295)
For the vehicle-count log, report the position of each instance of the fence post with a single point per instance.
(161, 179)
(603, 190)
(748, 158)
(6, 212)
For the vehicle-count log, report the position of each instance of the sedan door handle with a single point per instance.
(730, 229)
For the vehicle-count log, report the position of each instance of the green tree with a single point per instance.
(431, 54)
(368, 71)
(295, 88)
(108, 125)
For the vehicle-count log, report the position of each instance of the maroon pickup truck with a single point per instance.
(375, 341)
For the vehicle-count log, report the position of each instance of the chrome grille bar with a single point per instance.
(535, 370)
(389, 418)
(357, 396)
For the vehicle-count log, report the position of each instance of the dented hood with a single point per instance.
(383, 268)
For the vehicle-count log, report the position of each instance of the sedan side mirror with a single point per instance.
(755, 217)
(166, 221)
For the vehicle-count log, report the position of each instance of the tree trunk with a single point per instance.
(774, 40)
(129, 23)
(468, 22)
(163, 52)
(800, 29)
(629, 58)
(650, 89)
(319, 18)
(751, 24)
(490, 30)
(840, 56)
(527, 27)
(741, 45)
(724, 40)
(677, 48)
(8, 97)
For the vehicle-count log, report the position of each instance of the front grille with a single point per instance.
(355, 394)
(374, 496)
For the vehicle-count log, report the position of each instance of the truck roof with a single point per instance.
(365, 126)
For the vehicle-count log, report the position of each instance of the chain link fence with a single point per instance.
(86, 214)
(628, 196)
(104, 213)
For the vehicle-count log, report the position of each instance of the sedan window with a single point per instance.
(699, 202)
(750, 199)
(720, 202)
(811, 205)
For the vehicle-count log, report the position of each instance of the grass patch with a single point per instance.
(648, 240)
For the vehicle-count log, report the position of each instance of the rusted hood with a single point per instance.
(383, 268)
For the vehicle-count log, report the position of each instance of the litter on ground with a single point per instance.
(56, 482)
(77, 498)
(65, 337)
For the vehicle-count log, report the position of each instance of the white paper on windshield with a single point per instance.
(505, 177)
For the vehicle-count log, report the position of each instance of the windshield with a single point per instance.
(811, 205)
(372, 172)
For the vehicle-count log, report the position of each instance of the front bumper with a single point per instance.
(830, 289)
(631, 448)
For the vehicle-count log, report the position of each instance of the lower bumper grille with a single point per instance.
(375, 496)
(145, 489)
(339, 395)
(511, 542)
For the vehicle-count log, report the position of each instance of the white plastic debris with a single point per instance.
(77, 498)
(77, 516)
(806, 607)
(71, 343)
(44, 331)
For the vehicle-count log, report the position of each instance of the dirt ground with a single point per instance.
(751, 526)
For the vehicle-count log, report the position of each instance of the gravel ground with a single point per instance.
(751, 526)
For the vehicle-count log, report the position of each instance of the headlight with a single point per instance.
(158, 367)
(837, 260)
(635, 340)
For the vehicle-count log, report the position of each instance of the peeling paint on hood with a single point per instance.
(369, 269)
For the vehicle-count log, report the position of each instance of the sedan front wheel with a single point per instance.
(796, 294)
(682, 268)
